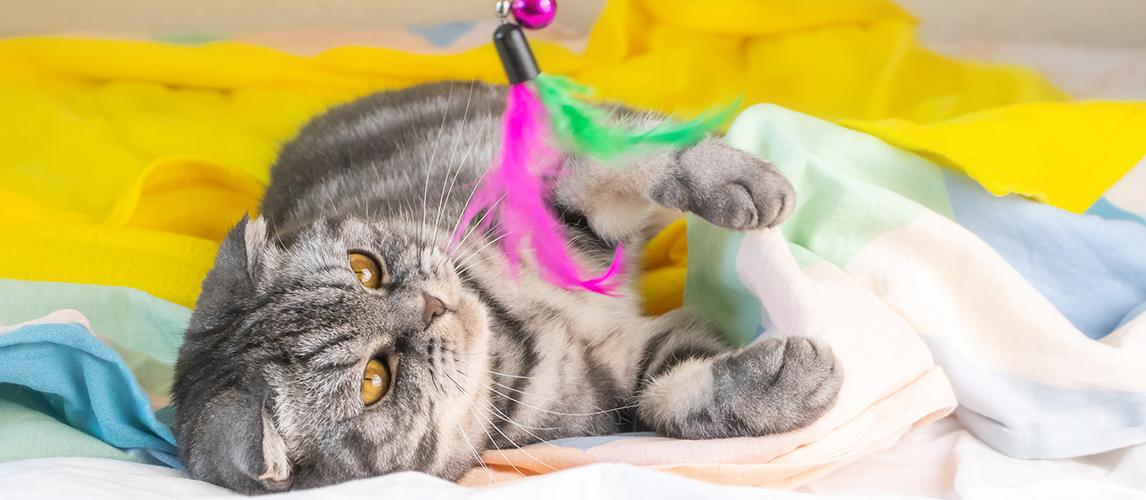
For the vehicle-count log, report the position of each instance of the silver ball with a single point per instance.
(502, 8)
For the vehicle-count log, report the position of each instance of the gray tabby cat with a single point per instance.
(342, 336)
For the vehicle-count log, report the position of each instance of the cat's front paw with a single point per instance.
(727, 187)
(778, 385)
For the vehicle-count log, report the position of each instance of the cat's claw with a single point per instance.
(727, 187)
(778, 385)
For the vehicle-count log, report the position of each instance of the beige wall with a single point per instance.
(1106, 23)
(38, 17)
(1100, 23)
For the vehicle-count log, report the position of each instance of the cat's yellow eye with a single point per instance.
(367, 270)
(375, 382)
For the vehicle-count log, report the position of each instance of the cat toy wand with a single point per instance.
(545, 118)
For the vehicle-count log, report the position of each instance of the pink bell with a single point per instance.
(533, 14)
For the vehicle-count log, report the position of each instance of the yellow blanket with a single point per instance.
(125, 163)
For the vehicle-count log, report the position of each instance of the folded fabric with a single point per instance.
(128, 161)
(1003, 290)
(30, 430)
(944, 461)
(145, 331)
(85, 383)
(1088, 267)
(890, 386)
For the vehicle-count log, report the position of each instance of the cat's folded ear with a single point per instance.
(245, 256)
(261, 254)
(224, 423)
(235, 443)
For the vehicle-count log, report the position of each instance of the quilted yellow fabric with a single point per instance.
(125, 163)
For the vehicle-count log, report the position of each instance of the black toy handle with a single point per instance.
(515, 54)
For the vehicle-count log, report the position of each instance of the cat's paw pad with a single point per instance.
(727, 187)
(780, 384)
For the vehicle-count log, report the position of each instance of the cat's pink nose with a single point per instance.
(434, 308)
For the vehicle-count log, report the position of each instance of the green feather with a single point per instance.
(589, 130)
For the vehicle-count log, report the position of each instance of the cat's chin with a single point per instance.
(471, 315)
(459, 469)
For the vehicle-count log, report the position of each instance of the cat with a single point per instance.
(341, 335)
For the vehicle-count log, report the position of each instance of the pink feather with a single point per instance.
(515, 193)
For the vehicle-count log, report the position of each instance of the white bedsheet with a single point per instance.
(943, 460)
(940, 460)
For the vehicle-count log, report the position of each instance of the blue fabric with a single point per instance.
(1107, 210)
(1092, 269)
(88, 385)
(587, 442)
(1132, 314)
(1028, 419)
(442, 35)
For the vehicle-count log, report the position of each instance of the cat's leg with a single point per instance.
(690, 385)
(726, 186)
(691, 390)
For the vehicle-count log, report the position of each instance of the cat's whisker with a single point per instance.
(481, 261)
(470, 444)
(508, 375)
(450, 164)
(502, 416)
(523, 393)
(477, 254)
(466, 206)
(493, 443)
(540, 440)
(331, 200)
(478, 251)
(511, 441)
(453, 181)
(551, 411)
(474, 412)
(465, 270)
(430, 167)
(476, 225)
(506, 418)
(471, 265)
(463, 353)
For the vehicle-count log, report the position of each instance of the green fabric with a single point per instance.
(28, 430)
(144, 330)
(154, 376)
(132, 319)
(712, 289)
(841, 177)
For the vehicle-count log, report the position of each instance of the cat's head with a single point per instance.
(344, 350)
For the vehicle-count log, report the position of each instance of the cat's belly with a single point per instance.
(573, 371)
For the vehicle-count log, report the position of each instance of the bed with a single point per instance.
(969, 240)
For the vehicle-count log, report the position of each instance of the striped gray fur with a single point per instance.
(267, 382)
